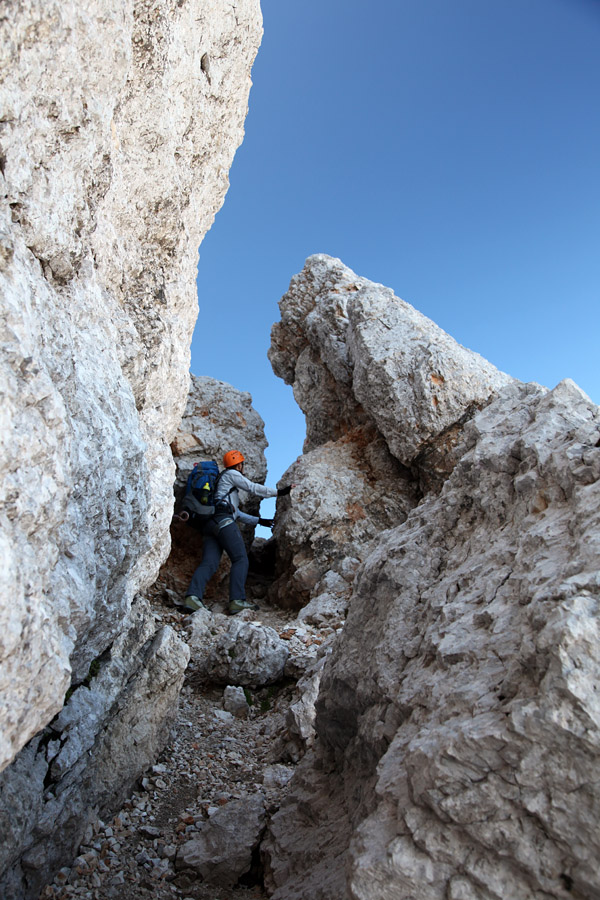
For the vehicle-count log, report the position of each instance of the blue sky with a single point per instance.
(449, 149)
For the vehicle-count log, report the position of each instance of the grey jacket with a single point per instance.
(232, 481)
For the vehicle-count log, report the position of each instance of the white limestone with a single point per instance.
(462, 695)
(355, 353)
(247, 654)
(119, 124)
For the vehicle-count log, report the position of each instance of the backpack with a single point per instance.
(199, 495)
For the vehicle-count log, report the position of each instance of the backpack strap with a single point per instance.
(225, 499)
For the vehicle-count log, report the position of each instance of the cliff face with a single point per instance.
(457, 726)
(118, 127)
(383, 390)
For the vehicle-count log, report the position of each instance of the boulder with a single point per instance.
(223, 850)
(234, 701)
(247, 654)
(386, 394)
(200, 631)
(355, 353)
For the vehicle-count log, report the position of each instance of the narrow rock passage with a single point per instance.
(213, 759)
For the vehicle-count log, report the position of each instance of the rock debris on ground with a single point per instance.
(229, 745)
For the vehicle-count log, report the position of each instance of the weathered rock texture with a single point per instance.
(217, 418)
(385, 392)
(348, 490)
(457, 728)
(248, 654)
(458, 725)
(356, 355)
(222, 852)
(118, 126)
(112, 728)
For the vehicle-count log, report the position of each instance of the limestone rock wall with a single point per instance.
(385, 393)
(457, 725)
(118, 126)
(217, 418)
(90, 756)
(347, 492)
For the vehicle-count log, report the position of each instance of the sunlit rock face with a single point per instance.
(385, 393)
(355, 353)
(458, 726)
(119, 123)
(218, 418)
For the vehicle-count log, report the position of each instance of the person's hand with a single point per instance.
(267, 523)
(282, 492)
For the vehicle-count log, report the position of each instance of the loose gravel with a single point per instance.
(212, 757)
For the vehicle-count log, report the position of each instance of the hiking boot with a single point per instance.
(237, 606)
(193, 603)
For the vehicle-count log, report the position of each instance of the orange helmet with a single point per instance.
(232, 458)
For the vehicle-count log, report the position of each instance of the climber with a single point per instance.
(221, 533)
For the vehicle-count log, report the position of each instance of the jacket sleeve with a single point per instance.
(252, 487)
(247, 518)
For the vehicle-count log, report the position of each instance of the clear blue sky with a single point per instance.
(449, 149)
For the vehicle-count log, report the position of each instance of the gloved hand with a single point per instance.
(268, 523)
(283, 491)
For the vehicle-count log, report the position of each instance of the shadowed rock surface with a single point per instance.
(248, 654)
(222, 852)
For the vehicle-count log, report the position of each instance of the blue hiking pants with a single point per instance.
(230, 540)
